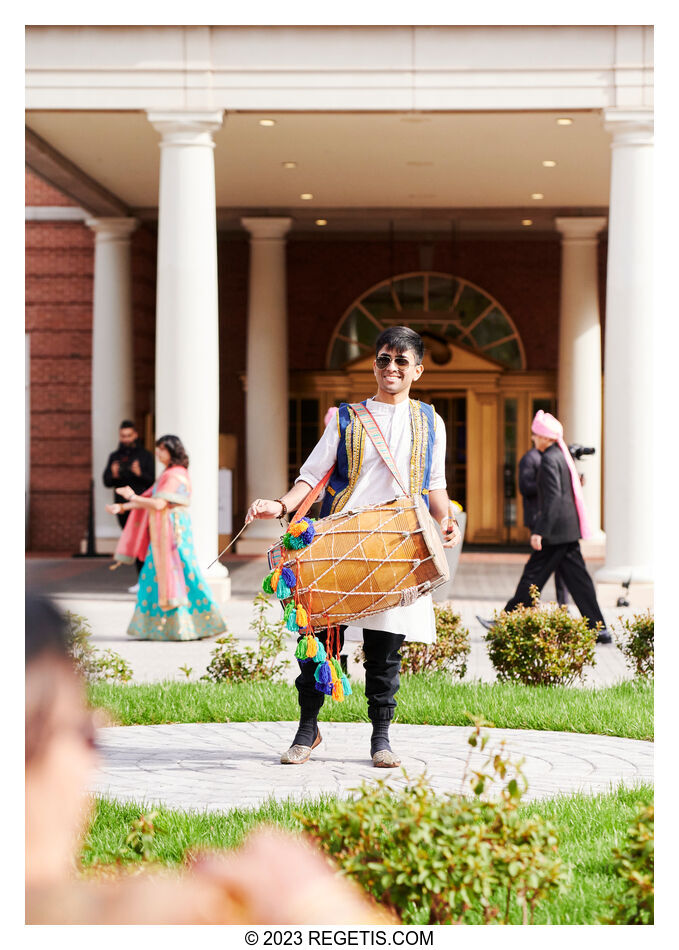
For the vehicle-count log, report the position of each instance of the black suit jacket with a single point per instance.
(557, 521)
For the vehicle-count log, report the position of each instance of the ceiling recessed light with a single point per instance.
(564, 121)
(321, 222)
(537, 196)
(289, 164)
(527, 222)
(307, 196)
(548, 163)
(267, 122)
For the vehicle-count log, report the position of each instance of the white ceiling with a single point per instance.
(357, 160)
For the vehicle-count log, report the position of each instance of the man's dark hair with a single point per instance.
(401, 339)
(175, 447)
(127, 424)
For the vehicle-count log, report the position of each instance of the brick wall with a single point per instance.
(325, 277)
(39, 192)
(59, 288)
(59, 273)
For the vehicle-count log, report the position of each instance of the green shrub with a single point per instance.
(634, 864)
(540, 645)
(636, 642)
(450, 651)
(230, 662)
(444, 860)
(92, 664)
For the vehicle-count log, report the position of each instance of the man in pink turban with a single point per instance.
(561, 522)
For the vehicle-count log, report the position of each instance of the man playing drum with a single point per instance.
(416, 437)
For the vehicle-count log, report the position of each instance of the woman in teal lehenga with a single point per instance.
(174, 600)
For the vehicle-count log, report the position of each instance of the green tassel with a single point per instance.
(300, 652)
(266, 584)
(346, 685)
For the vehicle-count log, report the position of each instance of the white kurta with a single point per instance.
(375, 484)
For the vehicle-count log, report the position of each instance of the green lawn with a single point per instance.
(625, 709)
(589, 828)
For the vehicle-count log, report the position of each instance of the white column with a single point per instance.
(628, 359)
(187, 326)
(112, 359)
(266, 413)
(580, 353)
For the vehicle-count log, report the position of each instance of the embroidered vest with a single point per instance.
(351, 449)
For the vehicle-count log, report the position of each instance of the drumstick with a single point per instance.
(232, 541)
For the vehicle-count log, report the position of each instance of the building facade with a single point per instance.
(220, 221)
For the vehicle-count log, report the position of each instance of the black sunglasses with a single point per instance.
(383, 361)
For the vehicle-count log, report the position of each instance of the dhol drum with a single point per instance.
(365, 561)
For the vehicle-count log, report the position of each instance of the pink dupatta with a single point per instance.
(156, 528)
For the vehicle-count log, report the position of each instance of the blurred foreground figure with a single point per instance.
(274, 879)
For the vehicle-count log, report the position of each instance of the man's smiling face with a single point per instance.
(399, 374)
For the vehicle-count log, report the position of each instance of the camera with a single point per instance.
(577, 451)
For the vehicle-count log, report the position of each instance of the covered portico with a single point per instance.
(372, 130)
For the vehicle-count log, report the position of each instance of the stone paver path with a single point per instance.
(218, 766)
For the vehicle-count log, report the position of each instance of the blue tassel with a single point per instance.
(289, 577)
(291, 621)
(308, 535)
(321, 655)
(346, 685)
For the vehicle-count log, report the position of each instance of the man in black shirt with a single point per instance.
(131, 464)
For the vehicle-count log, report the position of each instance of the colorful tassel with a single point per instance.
(321, 655)
(302, 617)
(282, 591)
(266, 584)
(289, 577)
(290, 621)
(300, 652)
(323, 679)
(337, 691)
(309, 534)
(346, 685)
(299, 534)
(297, 528)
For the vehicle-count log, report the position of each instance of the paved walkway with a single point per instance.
(481, 585)
(226, 765)
(218, 766)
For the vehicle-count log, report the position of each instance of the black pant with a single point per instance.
(561, 587)
(382, 667)
(568, 558)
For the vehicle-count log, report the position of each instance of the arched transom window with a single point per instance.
(440, 307)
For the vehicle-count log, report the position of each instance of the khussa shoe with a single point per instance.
(604, 636)
(386, 759)
(299, 754)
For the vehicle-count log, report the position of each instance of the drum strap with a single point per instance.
(375, 435)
